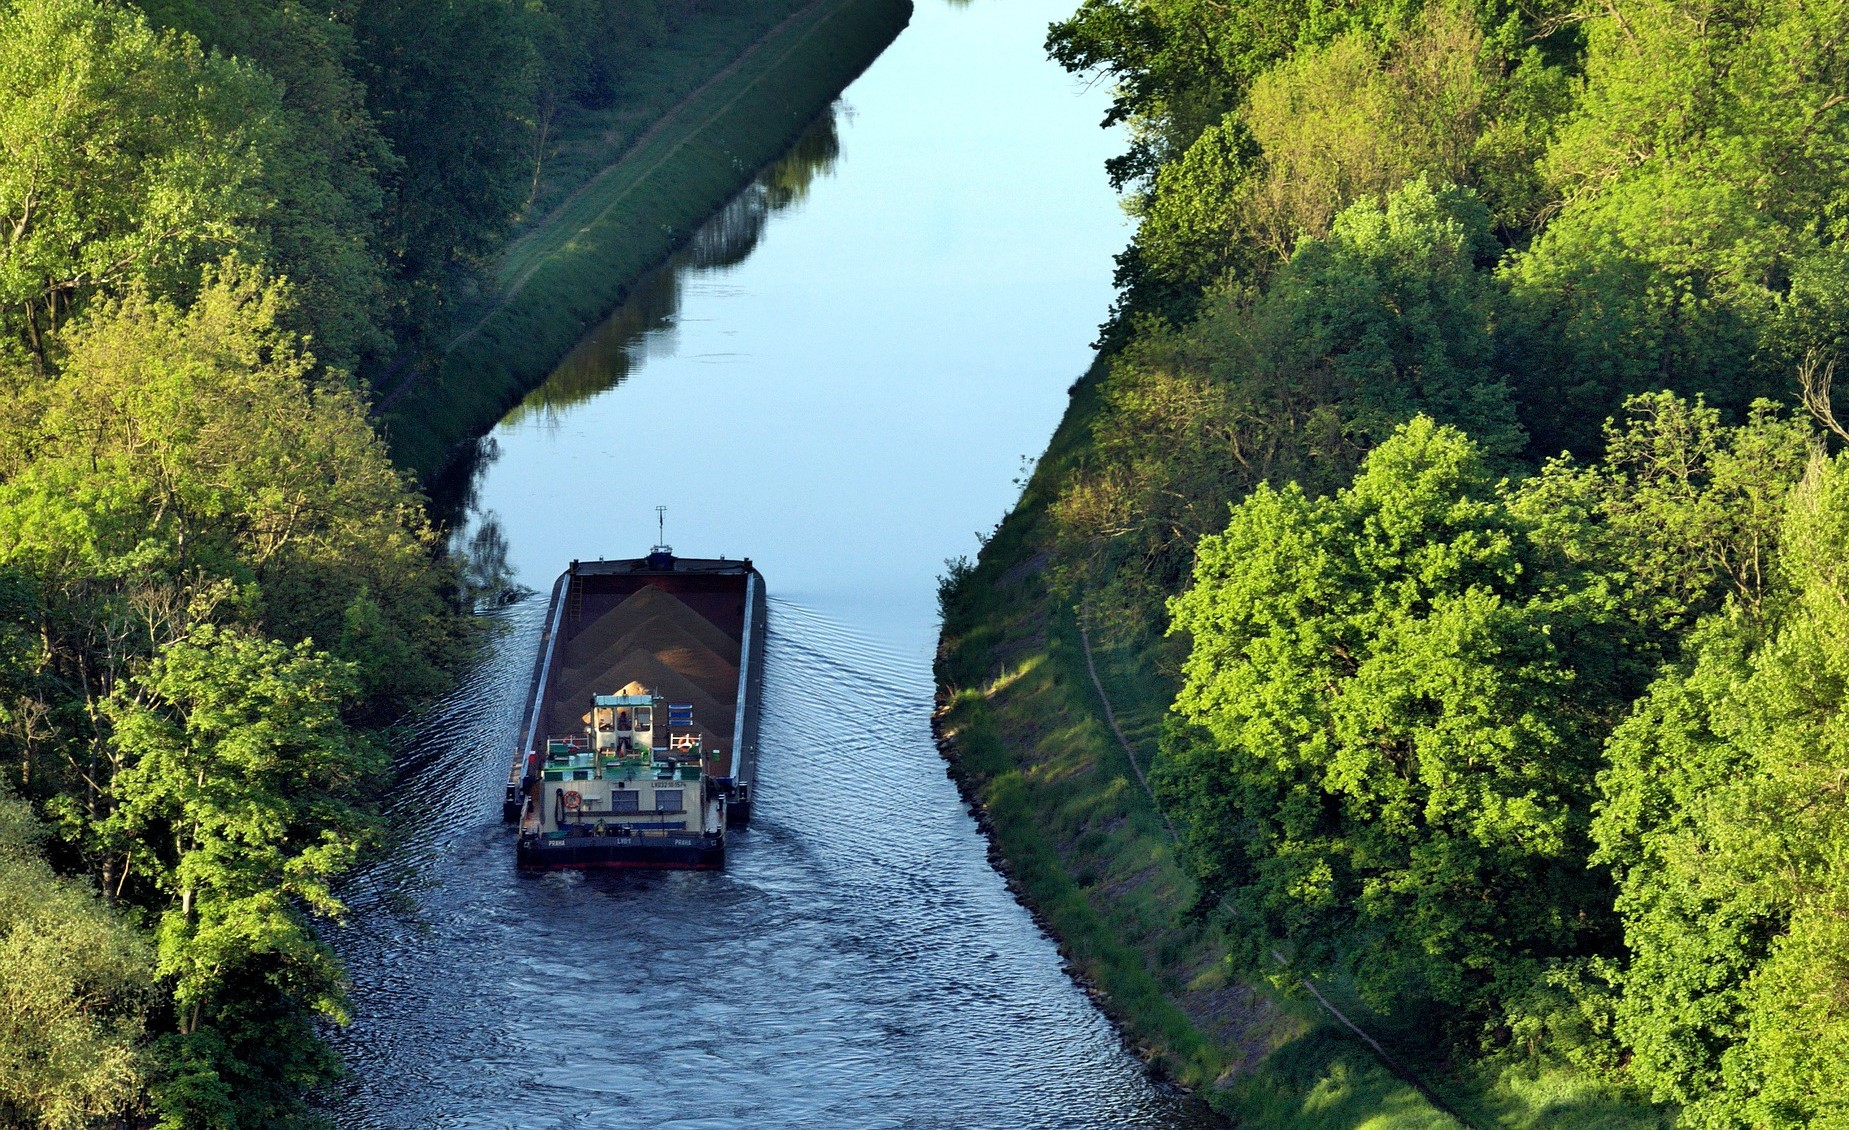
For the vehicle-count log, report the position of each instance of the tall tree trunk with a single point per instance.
(33, 340)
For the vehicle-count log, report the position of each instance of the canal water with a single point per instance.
(840, 379)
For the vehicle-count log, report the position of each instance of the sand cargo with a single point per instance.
(638, 742)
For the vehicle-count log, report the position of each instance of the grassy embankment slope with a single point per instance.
(1088, 851)
(569, 269)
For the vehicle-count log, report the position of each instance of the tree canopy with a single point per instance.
(1508, 684)
(75, 984)
(214, 582)
(218, 219)
(1401, 700)
(242, 797)
(1724, 821)
(1417, 726)
(127, 158)
(1386, 316)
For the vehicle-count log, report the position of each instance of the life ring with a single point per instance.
(572, 799)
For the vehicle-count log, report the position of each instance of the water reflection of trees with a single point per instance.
(484, 570)
(474, 540)
(644, 324)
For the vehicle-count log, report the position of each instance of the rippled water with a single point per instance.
(856, 354)
(858, 964)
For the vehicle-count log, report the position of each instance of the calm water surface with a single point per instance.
(838, 379)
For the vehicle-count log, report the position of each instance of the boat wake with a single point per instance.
(859, 963)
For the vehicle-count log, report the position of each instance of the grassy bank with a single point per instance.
(568, 271)
(1087, 850)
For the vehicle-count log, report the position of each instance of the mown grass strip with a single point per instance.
(568, 273)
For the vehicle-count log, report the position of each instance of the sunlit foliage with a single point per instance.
(75, 983)
(127, 157)
(1398, 695)
(1726, 824)
(184, 506)
(1401, 694)
(1386, 316)
(1444, 681)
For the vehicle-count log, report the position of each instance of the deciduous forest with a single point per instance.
(1465, 457)
(217, 592)
(1464, 467)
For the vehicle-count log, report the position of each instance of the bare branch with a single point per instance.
(1814, 389)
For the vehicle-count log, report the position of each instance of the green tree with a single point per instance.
(199, 449)
(186, 489)
(189, 468)
(1357, 117)
(1699, 243)
(127, 156)
(1392, 722)
(1388, 316)
(75, 983)
(1726, 825)
(243, 795)
(320, 179)
(1175, 66)
(1254, 125)
(1683, 512)
(1395, 309)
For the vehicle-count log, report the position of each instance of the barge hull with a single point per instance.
(611, 854)
(750, 702)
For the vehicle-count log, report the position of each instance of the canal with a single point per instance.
(840, 378)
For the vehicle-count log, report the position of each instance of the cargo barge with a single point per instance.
(638, 741)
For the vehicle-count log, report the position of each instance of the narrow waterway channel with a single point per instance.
(839, 380)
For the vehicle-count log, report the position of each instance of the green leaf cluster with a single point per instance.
(76, 982)
(1512, 686)
(1698, 245)
(127, 155)
(1400, 691)
(1387, 316)
(1725, 823)
(1553, 754)
(215, 584)
(243, 799)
